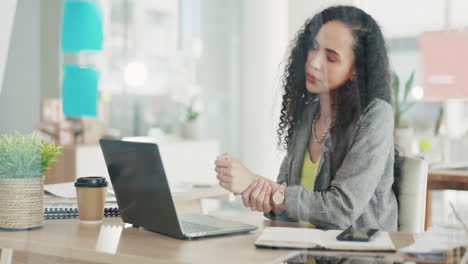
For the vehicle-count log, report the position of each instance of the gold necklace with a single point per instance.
(314, 130)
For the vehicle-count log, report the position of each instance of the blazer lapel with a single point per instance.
(301, 141)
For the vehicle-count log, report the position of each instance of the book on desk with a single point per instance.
(55, 211)
(308, 238)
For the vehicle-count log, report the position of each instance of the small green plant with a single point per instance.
(25, 156)
(192, 115)
(401, 101)
(49, 153)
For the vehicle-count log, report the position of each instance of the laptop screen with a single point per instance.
(140, 185)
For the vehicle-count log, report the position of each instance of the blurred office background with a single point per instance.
(209, 71)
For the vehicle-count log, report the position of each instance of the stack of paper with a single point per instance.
(68, 190)
(437, 240)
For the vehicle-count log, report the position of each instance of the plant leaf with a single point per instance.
(408, 86)
(396, 88)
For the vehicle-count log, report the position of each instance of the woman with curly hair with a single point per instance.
(337, 126)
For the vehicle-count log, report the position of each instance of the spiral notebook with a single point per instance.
(308, 238)
(55, 211)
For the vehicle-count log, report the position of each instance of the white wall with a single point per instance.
(458, 11)
(263, 44)
(219, 72)
(301, 10)
(398, 18)
(401, 18)
(20, 97)
(7, 14)
(51, 59)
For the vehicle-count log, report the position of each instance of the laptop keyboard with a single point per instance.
(190, 227)
(193, 223)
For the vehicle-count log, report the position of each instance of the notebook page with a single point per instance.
(284, 236)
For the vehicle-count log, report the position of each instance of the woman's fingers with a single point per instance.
(246, 194)
(224, 178)
(224, 185)
(221, 162)
(223, 170)
(266, 202)
(261, 198)
(224, 160)
(223, 174)
(226, 156)
(264, 198)
(257, 196)
(254, 195)
(219, 170)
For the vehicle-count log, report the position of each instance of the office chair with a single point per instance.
(412, 196)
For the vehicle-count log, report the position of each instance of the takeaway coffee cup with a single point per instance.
(91, 194)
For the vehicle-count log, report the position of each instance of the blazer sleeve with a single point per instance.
(282, 178)
(356, 179)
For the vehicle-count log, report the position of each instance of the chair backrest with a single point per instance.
(412, 196)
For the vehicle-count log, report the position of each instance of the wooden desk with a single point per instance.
(116, 242)
(443, 180)
(68, 241)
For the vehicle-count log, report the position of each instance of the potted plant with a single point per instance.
(404, 134)
(190, 126)
(23, 160)
(401, 100)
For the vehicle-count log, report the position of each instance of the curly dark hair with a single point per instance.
(373, 79)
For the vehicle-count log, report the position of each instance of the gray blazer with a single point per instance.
(360, 193)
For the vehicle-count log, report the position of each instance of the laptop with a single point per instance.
(144, 197)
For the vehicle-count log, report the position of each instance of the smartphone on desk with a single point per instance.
(357, 234)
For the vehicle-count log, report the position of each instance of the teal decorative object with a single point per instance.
(81, 26)
(79, 91)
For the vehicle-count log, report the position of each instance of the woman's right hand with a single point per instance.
(232, 174)
(257, 196)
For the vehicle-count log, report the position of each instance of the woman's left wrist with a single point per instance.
(282, 206)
